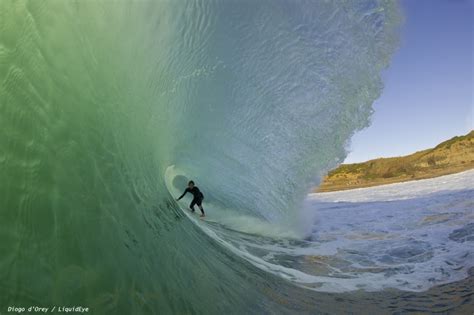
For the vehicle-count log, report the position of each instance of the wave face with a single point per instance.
(271, 93)
(253, 100)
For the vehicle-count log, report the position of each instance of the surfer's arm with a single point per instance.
(183, 194)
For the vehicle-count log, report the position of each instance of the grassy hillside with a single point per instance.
(452, 156)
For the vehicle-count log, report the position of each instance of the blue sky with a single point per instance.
(428, 94)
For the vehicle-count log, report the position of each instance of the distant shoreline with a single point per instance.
(449, 157)
(330, 188)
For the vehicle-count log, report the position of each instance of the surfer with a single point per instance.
(197, 197)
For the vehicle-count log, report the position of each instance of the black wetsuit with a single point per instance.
(197, 197)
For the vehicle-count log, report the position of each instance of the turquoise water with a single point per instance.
(100, 99)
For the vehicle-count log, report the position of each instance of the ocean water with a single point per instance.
(108, 107)
(408, 236)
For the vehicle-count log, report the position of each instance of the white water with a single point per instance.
(414, 235)
(409, 236)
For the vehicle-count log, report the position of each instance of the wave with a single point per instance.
(255, 101)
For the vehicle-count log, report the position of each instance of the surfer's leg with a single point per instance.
(199, 203)
(191, 205)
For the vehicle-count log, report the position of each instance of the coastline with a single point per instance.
(449, 157)
(349, 185)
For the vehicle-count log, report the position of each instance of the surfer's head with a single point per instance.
(191, 184)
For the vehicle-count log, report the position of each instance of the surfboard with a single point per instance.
(197, 213)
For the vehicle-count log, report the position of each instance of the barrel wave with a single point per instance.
(107, 108)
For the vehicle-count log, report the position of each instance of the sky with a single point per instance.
(428, 94)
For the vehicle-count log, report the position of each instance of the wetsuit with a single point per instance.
(197, 196)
